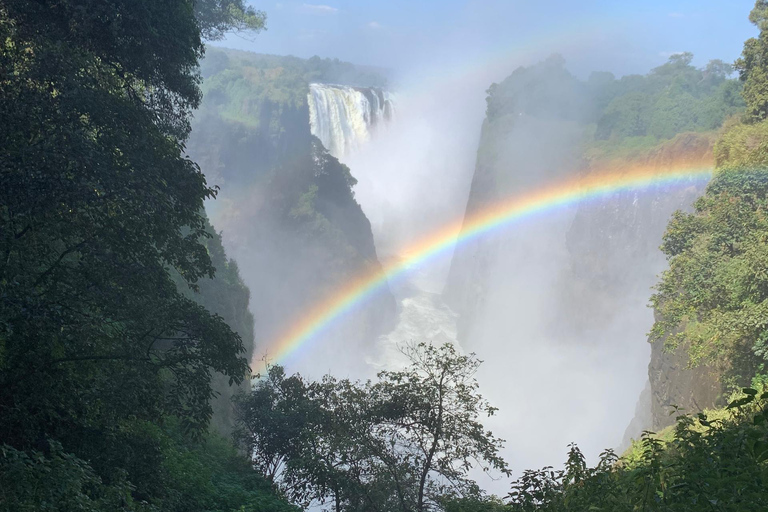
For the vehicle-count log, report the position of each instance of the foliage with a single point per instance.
(433, 406)
(673, 98)
(225, 295)
(101, 218)
(477, 502)
(206, 475)
(93, 214)
(403, 442)
(712, 299)
(211, 475)
(54, 480)
(610, 118)
(705, 465)
(217, 17)
(753, 65)
(246, 87)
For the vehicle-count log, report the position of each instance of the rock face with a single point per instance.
(674, 385)
(615, 261)
(529, 138)
(575, 283)
(613, 244)
(286, 208)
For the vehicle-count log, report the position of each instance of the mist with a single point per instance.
(565, 359)
(384, 256)
(414, 176)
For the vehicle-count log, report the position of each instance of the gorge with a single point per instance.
(471, 275)
(563, 291)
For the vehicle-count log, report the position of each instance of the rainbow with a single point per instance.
(490, 219)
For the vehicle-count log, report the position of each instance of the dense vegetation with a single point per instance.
(635, 112)
(251, 136)
(710, 304)
(704, 463)
(712, 298)
(107, 353)
(402, 443)
(238, 83)
(116, 339)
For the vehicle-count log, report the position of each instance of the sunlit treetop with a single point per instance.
(217, 17)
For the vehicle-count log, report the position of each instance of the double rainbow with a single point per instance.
(487, 220)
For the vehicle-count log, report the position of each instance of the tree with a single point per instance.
(718, 69)
(401, 443)
(753, 65)
(99, 208)
(432, 408)
(713, 299)
(217, 17)
(716, 459)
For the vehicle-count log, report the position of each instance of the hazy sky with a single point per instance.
(615, 35)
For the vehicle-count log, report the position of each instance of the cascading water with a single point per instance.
(343, 117)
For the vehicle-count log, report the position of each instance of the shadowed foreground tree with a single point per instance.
(403, 442)
(99, 210)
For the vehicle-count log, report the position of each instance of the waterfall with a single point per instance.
(344, 117)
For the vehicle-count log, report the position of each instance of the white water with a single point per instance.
(422, 317)
(412, 178)
(344, 117)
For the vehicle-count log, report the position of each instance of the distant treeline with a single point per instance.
(632, 113)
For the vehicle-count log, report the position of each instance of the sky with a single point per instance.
(620, 36)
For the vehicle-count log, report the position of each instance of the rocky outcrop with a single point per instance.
(286, 209)
(615, 261)
(529, 138)
(675, 386)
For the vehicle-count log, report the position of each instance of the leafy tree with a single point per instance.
(432, 407)
(225, 295)
(98, 210)
(217, 17)
(753, 65)
(404, 442)
(673, 98)
(29, 481)
(712, 300)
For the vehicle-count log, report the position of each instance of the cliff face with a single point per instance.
(227, 296)
(615, 261)
(286, 207)
(673, 384)
(574, 283)
(534, 121)
(613, 244)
